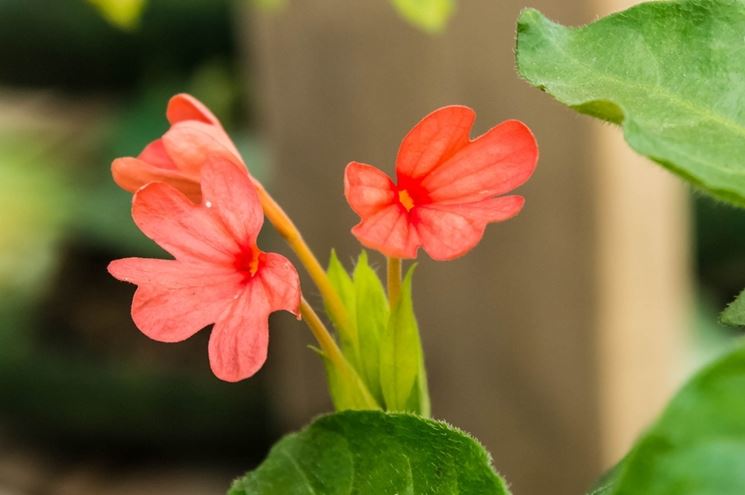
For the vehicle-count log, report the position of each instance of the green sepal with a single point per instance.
(369, 452)
(342, 283)
(402, 375)
(345, 390)
(372, 315)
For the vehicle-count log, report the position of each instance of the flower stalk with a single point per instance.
(332, 352)
(393, 279)
(290, 233)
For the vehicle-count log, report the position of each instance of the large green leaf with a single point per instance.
(368, 452)
(671, 73)
(735, 312)
(697, 447)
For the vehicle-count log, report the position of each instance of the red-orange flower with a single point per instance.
(218, 275)
(177, 157)
(447, 186)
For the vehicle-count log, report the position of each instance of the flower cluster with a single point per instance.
(195, 198)
(219, 275)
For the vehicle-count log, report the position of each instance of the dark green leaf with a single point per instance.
(735, 312)
(697, 447)
(367, 452)
(671, 73)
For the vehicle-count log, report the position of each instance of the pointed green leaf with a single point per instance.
(401, 352)
(735, 312)
(429, 15)
(372, 315)
(418, 401)
(345, 390)
(374, 453)
(671, 73)
(122, 13)
(342, 283)
(697, 447)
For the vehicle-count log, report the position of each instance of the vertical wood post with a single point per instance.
(643, 277)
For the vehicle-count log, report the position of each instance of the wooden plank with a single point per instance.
(644, 282)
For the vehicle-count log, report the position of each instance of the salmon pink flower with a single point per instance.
(447, 186)
(218, 275)
(178, 156)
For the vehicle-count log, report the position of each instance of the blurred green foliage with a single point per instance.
(123, 13)
(429, 15)
(69, 46)
(74, 371)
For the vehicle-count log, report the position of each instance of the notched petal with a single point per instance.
(495, 163)
(433, 140)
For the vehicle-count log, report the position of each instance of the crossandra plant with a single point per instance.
(671, 73)
(195, 197)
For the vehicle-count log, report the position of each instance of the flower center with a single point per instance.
(405, 199)
(247, 262)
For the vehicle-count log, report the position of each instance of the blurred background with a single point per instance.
(555, 342)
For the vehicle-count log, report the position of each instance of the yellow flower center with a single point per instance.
(405, 199)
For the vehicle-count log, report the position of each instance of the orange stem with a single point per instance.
(292, 236)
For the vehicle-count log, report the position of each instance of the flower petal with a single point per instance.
(389, 232)
(493, 164)
(240, 337)
(155, 154)
(228, 191)
(185, 107)
(189, 232)
(281, 283)
(190, 143)
(433, 140)
(132, 173)
(367, 189)
(450, 231)
(175, 300)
